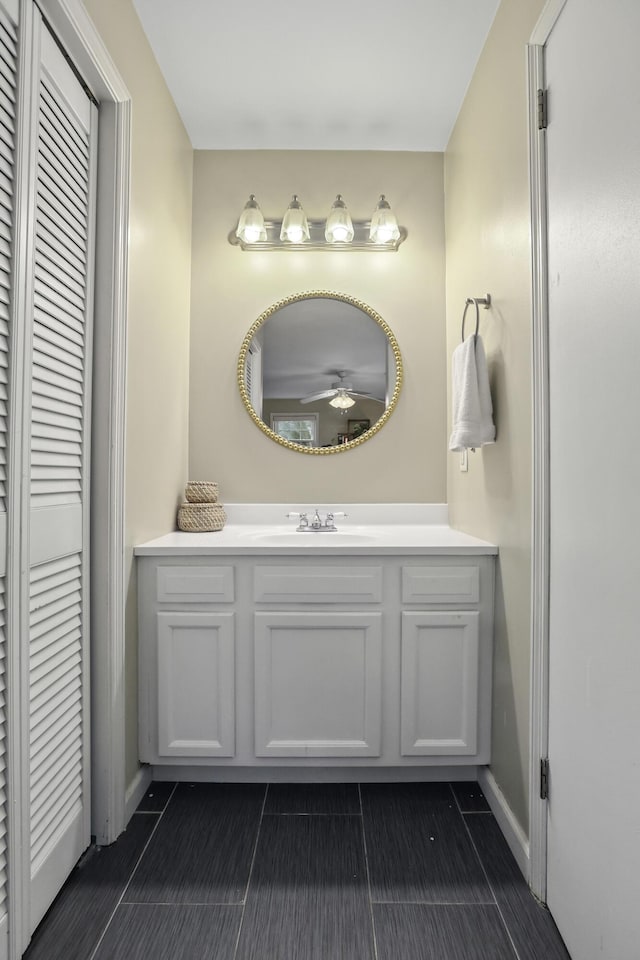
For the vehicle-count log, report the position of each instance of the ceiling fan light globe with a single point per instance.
(342, 401)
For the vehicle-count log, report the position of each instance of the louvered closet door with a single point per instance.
(59, 464)
(8, 94)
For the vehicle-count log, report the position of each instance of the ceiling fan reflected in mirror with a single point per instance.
(341, 393)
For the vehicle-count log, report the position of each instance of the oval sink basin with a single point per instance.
(288, 538)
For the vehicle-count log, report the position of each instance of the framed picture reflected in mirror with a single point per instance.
(357, 427)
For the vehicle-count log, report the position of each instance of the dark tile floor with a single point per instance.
(301, 872)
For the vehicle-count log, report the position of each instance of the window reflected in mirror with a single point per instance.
(298, 428)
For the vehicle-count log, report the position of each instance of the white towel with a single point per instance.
(471, 398)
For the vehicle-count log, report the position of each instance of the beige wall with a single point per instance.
(406, 461)
(488, 250)
(158, 318)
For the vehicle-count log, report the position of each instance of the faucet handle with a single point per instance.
(330, 520)
(302, 517)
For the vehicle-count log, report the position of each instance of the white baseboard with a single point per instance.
(293, 774)
(513, 832)
(136, 791)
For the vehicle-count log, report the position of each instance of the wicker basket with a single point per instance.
(201, 517)
(201, 491)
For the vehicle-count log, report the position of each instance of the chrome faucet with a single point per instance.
(317, 525)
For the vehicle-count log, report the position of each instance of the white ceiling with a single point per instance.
(330, 74)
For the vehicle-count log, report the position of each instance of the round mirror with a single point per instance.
(319, 372)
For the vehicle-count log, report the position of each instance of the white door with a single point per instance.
(593, 78)
(8, 124)
(57, 422)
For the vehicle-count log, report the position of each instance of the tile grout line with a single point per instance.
(455, 798)
(271, 814)
(435, 903)
(500, 913)
(366, 864)
(253, 860)
(482, 866)
(135, 867)
(182, 903)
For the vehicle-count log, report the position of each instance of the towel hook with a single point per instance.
(485, 301)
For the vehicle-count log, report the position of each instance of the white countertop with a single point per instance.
(262, 529)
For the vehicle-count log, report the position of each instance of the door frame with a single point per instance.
(72, 25)
(540, 547)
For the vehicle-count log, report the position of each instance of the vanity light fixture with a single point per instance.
(251, 227)
(338, 228)
(384, 226)
(295, 228)
(337, 232)
(342, 401)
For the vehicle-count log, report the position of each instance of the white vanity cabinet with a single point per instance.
(332, 661)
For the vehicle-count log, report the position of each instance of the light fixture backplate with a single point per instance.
(317, 239)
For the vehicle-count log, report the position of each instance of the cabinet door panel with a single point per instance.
(318, 684)
(439, 691)
(196, 681)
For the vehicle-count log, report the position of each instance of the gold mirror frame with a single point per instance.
(327, 295)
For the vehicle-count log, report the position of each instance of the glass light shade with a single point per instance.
(251, 227)
(384, 226)
(338, 228)
(342, 401)
(295, 228)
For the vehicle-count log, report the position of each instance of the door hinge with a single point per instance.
(543, 117)
(544, 779)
